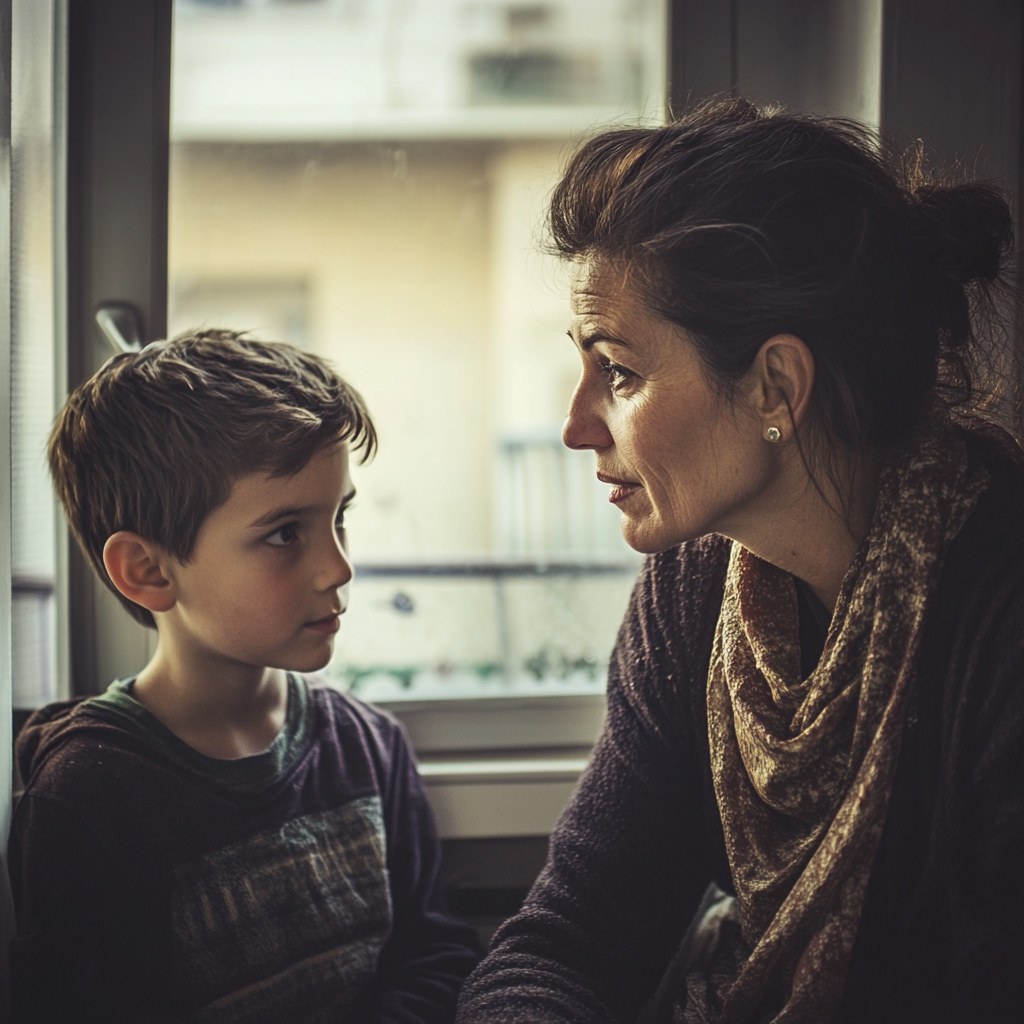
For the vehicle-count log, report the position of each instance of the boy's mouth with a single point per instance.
(327, 625)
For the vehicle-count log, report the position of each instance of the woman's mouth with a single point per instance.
(621, 489)
(326, 626)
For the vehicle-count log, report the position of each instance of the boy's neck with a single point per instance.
(220, 708)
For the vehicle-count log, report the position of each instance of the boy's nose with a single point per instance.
(336, 570)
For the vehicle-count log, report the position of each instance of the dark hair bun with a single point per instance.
(967, 228)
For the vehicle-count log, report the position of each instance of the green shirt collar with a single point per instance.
(242, 775)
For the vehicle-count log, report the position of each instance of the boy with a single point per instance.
(214, 839)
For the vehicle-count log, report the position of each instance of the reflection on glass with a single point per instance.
(368, 178)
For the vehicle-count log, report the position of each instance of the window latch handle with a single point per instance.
(120, 323)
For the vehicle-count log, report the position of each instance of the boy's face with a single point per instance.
(269, 575)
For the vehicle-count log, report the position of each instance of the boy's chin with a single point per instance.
(308, 663)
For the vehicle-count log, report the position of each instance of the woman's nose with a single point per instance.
(584, 426)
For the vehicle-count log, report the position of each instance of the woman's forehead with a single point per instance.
(602, 288)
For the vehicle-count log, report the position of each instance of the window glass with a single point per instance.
(368, 178)
(36, 333)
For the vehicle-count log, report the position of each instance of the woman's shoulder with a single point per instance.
(997, 524)
(660, 661)
(678, 595)
(995, 448)
(976, 622)
(687, 573)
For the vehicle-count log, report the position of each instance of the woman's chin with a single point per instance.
(646, 538)
(648, 535)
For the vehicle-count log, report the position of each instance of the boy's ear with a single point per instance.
(134, 565)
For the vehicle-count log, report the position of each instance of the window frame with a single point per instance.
(117, 154)
(118, 151)
(118, 148)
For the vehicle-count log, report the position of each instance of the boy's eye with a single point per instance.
(339, 519)
(284, 535)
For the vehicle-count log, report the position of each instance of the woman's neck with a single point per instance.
(813, 531)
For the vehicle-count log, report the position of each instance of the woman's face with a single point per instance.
(682, 461)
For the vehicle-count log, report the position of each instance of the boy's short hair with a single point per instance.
(154, 441)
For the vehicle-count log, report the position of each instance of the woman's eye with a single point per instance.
(284, 535)
(617, 375)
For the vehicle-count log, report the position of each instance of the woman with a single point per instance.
(815, 700)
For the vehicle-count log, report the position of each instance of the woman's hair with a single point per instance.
(739, 223)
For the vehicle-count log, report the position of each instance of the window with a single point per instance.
(276, 307)
(38, 340)
(369, 179)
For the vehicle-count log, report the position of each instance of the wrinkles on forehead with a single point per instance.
(605, 304)
(597, 284)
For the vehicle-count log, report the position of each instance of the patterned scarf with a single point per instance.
(803, 768)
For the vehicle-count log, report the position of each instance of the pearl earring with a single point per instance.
(773, 434)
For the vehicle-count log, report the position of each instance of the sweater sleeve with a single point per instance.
(628, 861)
(428, 955)
(87, 946)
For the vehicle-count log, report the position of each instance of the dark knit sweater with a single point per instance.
(153, 884)
(941, 937)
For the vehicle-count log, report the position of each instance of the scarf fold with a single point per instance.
(803, 768)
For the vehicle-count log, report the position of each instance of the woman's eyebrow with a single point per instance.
(591, 340)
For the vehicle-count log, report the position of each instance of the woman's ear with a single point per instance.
(135, 567)
(784, 376)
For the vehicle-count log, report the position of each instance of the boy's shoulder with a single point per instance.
(346, 705)
(70, 748)
(65, 739)
(154, 804)
(356, 724)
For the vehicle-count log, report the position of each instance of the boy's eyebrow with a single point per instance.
(294, 512)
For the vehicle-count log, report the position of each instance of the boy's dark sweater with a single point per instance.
(153, 884)
(942, 932)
